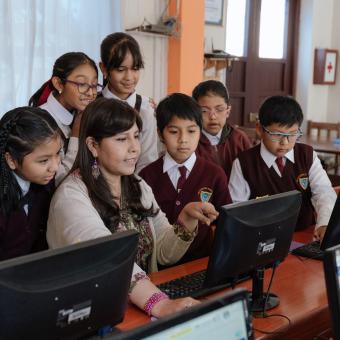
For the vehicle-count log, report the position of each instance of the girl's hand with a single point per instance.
(152, 103)
(76, 124)
(167, 306)
(193, 212)
(319, 233)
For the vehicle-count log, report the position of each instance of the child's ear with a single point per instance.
(92, 146)
(160, 135)
(103, 69)
(259, 129)
(12, 163)
(228, 110)
(58, 84)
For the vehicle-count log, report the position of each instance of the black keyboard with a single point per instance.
(193, 285)
(311, 250)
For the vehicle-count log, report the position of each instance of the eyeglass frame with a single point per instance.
(216, 110)
(281, 135)
(93, 87)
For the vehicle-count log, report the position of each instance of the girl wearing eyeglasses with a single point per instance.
(73, 85)
(220, 142)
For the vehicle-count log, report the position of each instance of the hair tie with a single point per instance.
(48, 86)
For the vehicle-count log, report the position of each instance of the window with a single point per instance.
(235, 27)
(272, 29)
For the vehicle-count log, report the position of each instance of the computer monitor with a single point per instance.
(224, 317)
(251, 236)
(68, 292)
(332, 235)
(331, 263)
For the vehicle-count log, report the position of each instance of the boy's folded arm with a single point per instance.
(323, 195)
(238, 186)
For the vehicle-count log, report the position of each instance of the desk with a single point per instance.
(298, 282)
(324, 145)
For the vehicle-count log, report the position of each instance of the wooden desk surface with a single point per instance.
(322, 144)
(298, 282)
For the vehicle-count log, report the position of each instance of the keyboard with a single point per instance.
(311, 250)
(193, 285)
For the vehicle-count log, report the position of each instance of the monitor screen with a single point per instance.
(332, 235)
(67, 292)
(252, 235)
(217, 318)
(332, 276)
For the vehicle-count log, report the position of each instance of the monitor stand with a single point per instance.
(258, 303)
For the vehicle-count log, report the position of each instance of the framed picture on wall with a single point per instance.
(325, 64)
(214, 12)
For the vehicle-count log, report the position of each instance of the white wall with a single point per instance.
(153, 81)
(317, 30)
(333, 110)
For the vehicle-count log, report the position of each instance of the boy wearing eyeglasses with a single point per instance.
(219, 142)
(280, 164)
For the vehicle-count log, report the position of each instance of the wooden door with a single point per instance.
(252, 78)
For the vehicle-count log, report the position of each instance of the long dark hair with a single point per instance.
(21, 131)
(114, 48)
(101, 119)
(62, 68)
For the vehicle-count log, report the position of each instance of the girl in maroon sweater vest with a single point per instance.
(220, 142)
(29, 147)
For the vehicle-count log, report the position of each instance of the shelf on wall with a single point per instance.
(142, 30)
(219, 61)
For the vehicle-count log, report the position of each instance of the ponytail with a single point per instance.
(40, 97)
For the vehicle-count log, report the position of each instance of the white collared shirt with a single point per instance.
(63, 119)
(171, 167)
(24, 186)
(323, 196)
(214, 140)
(149, 139)
(62, 116)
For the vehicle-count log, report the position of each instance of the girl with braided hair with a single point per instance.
(72, 87)
(30, 145)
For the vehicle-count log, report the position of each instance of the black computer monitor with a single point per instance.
(225, 317)
(332, 235)
(331, 263)
(251, 236)
(68, 292)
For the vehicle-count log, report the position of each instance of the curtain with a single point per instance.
(34, 33)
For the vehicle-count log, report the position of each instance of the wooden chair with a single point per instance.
(325, 131)
(251, 133)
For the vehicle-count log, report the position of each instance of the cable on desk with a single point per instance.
(264, 315)
(274, 332)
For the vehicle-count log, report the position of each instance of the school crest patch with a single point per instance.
(205, 194)
(303, 181)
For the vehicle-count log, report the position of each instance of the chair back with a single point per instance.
(323, 129)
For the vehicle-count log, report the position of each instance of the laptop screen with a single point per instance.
(213, 319)
(332, 277)
(212, 325)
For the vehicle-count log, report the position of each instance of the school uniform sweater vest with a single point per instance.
(232, 142)
(21, 234)
(206, 182)
(265, 181)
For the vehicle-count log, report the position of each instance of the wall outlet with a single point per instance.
(253, 117)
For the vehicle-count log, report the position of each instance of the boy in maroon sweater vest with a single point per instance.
(280, 164)
(219, 141)
(180, 177)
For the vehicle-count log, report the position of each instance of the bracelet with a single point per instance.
(152, 300)
(183, 233)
